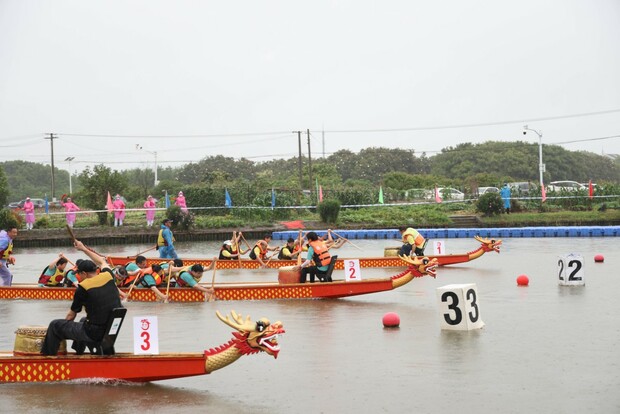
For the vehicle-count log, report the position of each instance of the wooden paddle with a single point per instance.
(169, 277)
(147, 250)
(131, 288)
(237, 247)
(71, 234)
(212, 294)
(349, 241)
(300, 249)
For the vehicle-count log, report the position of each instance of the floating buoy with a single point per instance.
(599, 258)
(523, 280)
(391, 320)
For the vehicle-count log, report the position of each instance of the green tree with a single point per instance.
(96, 184)
(4, 188)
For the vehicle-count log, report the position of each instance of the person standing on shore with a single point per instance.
(180, 201)
(6, 255)
(29, 211)
(119, 211)
(70, 208)
(165, 241)
(506, 194)
(149, 205)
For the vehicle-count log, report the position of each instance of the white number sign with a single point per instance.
(570, 270)
(352, 270)
(439, 247)
(145, 337)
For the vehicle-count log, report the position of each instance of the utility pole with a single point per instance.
(310, 161)
(52, 137)
(299, 141)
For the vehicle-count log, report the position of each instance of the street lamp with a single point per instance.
(69, 159)
(139, 148)
(541, 166)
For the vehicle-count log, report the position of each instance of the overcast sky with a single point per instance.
(189, 79)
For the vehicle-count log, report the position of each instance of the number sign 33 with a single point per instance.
(570, 270)
(459, 307)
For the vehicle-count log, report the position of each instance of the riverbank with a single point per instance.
(140, 234)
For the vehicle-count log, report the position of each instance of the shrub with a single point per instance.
(43, 222)
(9, 219)
(181, 220)
(329, 210)
(490, 204)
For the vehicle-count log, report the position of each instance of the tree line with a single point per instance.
(344, 174)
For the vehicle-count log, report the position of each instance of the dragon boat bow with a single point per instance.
(249, 338)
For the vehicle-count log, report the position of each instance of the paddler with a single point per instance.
(54, 273)
(260, 249)
(411, 237)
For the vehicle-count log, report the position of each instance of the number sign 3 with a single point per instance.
(145, 337)
(459, 307)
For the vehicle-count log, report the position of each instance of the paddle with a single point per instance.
(169, 277)
(147, 250)
(126, 299)
(274, 254)
(212, 294)
(349, 241)
(237, 247)
(300, 250)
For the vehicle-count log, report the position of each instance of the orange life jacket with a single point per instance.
(321, 254)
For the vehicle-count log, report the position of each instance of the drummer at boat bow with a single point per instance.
(317, 262)
(411, 238)
(98, 295)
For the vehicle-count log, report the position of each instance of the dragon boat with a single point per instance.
(390, 259)
(282, 289)
(248, 338)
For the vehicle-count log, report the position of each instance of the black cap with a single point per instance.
(87, 266)
(167, 220)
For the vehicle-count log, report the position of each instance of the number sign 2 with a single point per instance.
(570, 270)
(459, 307)
(145, 337)
(352, 270)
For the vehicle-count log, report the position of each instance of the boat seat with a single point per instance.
(106, 345)
(327, 277)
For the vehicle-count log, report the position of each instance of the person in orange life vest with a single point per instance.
(29, 211)
(54, 273)
(151, 277)
(189, 276)
(176, 263)
(72, 277)
(411, 238)
(6, 255)
(318, 253)
(133, 269)
(260, 249)
(290, 250)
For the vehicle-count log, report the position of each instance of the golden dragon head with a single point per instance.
(489, 245)
(252, 337)
(422, 265)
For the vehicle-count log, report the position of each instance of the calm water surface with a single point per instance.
(545, 348)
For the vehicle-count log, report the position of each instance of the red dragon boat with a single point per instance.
(486, 245)
(282, 289)
(249, 338)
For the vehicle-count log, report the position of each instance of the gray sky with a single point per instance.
(189, 79)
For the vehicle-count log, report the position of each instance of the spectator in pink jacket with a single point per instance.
(180, 201)
(119, 210)
(29, 211)
(149, 205)
(70, 209)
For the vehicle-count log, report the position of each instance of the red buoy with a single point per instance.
(523, 280)
(391, 320)
(599, 258)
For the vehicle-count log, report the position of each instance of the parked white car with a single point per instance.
(565, 185)
(485, 190)
(447, 194)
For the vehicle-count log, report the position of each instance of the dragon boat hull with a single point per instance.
(236, 291)
(123, 367)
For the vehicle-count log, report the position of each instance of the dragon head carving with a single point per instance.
(489, 245)
(252, 337)
(422, 265)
